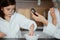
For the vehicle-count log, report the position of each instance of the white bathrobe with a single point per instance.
(12, 28)
(50, 29)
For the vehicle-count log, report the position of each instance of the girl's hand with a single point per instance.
(2, 35)
(31, 31)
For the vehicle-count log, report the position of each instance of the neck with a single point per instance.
(7, 18)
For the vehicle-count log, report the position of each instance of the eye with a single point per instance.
(8, 9)
(12, 9)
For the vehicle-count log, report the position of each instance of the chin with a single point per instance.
(9, 15)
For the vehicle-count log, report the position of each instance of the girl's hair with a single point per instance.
(5, 3)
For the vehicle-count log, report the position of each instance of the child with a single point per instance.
(11, 21)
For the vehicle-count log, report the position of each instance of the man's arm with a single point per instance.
(52, 13)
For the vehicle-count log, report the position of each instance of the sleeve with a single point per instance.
(25, 23)
(57, 34)
(0, 30)
(50, 29)
(49, 17)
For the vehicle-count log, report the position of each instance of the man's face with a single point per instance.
(56, 5)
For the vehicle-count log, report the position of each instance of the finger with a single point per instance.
(30, 34)
(37, 13)
(33, 15)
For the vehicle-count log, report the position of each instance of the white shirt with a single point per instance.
(57, 17)
(12, 28)
(51, 29)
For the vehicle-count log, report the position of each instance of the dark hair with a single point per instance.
(5, 3)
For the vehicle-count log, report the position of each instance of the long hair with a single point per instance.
(5, 3)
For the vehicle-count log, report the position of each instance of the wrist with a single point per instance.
(32, 27)
(45, 22)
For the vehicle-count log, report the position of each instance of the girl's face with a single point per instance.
(9, 10)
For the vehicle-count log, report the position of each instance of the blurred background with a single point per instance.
(41, 6)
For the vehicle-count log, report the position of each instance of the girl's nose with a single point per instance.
(11, 11)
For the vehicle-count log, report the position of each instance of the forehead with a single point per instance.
(10, 6)
(56, 3)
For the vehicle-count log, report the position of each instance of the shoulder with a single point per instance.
(19, 14)
(1, 21)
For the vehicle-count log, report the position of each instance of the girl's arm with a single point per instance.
(26, 23)
(31, 31)
(2, 35)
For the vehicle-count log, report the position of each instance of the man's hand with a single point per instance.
(52, 10)
(38, 18)
(2, 35)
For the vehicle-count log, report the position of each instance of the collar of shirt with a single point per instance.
(11, 19)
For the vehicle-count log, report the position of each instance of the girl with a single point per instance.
(11, 21)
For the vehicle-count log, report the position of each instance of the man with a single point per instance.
(52, 24)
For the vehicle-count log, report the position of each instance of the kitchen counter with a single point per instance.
(25, 39)
(40, 33)
(40, 39)
(42, 36)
